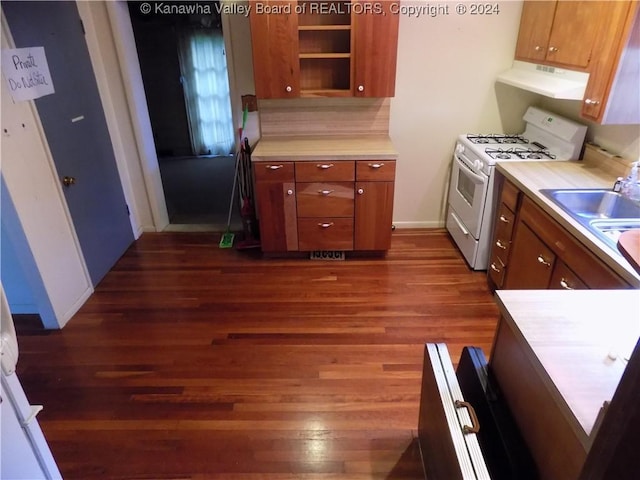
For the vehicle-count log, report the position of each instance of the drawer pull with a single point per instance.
(325, 225)
(325, 192)
(543, 261)
(504, 219)
(564, 284)
(475, 424)
(274, 167)
(494, 268)
(324, 166)
(501, 245)
(376, 165)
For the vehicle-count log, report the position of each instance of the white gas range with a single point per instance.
(472, 196)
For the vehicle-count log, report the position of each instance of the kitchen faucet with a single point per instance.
(630, 186)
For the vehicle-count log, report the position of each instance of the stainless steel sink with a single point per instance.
(594, 203)
(605, 213)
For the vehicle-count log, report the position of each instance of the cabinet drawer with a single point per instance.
(325, 199)
(273, 171)
(325, 234)
(510, 195)
(370, 170)
(496, 269)
(504, 224)
(342, 171)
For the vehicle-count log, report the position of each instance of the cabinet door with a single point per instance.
(564, 278)
(276, 205)
(531, 262)
(574, 32)
(613, 87)
(535, 28)
(274, 36)
(373, 215)
(376, 49)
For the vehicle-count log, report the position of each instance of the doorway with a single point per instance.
(184, 71)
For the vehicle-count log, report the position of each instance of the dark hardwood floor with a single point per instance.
(194, 362)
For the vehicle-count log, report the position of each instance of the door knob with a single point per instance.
(68, 181)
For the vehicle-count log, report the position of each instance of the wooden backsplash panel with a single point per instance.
(611, 163)
(324, 116)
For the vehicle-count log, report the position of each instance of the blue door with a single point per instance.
(76, 130)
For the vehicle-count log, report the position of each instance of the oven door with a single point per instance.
(468, 194)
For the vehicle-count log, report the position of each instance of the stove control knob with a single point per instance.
(459, 148)
(478, 164)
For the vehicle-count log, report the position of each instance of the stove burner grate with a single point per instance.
(521, 153)
(497, 138)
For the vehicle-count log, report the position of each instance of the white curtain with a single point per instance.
(205, 82)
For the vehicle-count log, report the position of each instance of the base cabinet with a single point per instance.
(275, 195)
(328, 205)
(533, 251)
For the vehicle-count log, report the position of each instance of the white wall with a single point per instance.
(445, 86)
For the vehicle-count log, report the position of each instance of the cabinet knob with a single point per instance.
(289, 192)
(537, 48)
(360, 191)
(553, 49)
(288, 89)
(564, 284)
(589, 101)
(361, 88)
(544, 261)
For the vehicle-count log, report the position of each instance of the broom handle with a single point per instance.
(233, 190)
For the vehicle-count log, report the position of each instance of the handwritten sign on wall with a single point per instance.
(27, 73)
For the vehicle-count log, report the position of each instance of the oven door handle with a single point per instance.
(464, 231)
(478, 178)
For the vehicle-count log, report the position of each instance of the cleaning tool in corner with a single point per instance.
(226, 241)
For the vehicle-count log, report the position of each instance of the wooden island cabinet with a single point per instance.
(319, 194)
(568, 368)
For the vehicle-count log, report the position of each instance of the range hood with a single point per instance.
(549, 81)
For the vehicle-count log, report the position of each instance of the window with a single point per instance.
(205, 83)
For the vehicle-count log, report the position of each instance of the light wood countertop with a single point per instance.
(531, 177)
(320, 147)
(580, 342)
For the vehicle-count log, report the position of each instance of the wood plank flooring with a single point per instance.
(194, 362)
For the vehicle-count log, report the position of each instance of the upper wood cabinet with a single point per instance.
(376, 42)
(612, 95)
(335, 48)
(276, 51)
(601, 38)
(562, 32)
